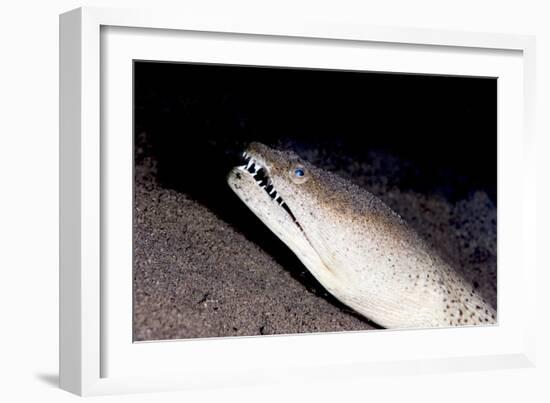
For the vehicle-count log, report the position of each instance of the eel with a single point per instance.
(356, 246)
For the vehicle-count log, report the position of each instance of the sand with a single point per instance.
(197, 274)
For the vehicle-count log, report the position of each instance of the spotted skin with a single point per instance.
(359, 249)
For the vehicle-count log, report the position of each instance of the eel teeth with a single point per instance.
(262, 179)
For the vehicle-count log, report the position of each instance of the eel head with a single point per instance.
(282, 190)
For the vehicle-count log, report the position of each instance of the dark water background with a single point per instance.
(199, 116)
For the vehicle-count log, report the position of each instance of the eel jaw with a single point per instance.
(258, 170)
(253, 185)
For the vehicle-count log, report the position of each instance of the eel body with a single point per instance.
(359, 249)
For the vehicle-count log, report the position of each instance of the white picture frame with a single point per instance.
(97, 355)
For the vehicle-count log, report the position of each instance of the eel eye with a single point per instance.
(298, 174)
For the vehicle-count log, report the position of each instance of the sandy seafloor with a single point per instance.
(198, 275)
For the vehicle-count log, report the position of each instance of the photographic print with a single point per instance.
(273, 200)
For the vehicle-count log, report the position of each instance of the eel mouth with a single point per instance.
(258, 170)
(249, 181)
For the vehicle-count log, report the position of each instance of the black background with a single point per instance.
(199, 117)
